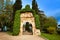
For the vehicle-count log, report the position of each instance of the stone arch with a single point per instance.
(24, 18)
(27, 28)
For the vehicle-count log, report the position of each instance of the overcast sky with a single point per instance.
(50, 7)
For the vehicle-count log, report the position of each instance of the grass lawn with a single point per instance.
(51, 36)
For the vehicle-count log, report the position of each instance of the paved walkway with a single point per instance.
(5, 36)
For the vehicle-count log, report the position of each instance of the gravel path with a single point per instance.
(5, 36)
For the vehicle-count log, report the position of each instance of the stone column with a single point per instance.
(33, 31)
(21, 29)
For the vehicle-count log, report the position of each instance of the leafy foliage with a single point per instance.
(17, 5)
(3, 18)
(51, 21)
(50, 24)
(51, 29)
(35, 6)
(37, 21)
(42, 18)
(16, 26)
(26, 9)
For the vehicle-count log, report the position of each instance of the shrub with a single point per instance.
(16, 25)
(58, 31)
(51, 29)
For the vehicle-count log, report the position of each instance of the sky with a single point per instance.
(50, 7)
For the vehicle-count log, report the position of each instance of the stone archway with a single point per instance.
(27, 17)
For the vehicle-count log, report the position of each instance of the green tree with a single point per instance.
(37, 21)
(50, 24)
(17, 5)
(42, 18)
(3, 19)
(1, 4)
(35, 6)
(52, 21)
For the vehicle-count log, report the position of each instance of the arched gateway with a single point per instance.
(27, 18)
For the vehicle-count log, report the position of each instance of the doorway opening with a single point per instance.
(27, 29)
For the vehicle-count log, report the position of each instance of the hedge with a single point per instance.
(16, 25)
(37, 21)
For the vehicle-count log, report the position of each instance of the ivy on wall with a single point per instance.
(37, 21)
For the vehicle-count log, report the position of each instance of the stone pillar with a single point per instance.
(33, 30)
(21, 29)
(33, 27)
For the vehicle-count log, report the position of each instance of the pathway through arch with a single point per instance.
(27, 29)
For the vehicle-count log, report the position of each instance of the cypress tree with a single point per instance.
(17, 5)
(35, 6)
